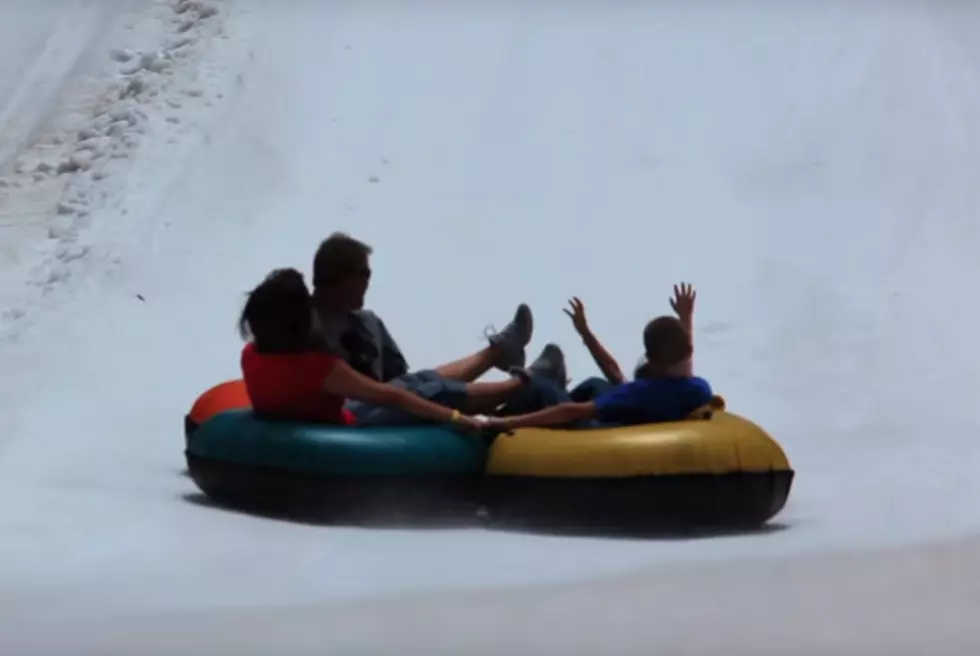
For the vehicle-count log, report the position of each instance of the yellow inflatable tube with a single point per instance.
(714, 467)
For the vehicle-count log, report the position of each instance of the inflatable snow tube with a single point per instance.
(716, 468)
(229, 395)
(235, 457)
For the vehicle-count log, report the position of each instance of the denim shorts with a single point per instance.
(427, 384)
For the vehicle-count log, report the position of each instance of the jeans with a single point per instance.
(427, 384)
(590, 389)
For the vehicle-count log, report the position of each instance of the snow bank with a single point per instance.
(68, 180)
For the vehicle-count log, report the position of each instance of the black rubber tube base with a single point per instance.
(637, 505)
(414, 501)
(651, 504)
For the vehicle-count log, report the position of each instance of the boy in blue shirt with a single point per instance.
(665, 388)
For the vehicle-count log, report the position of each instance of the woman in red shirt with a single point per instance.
(287, 378)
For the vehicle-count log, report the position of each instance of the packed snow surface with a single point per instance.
(811, 168)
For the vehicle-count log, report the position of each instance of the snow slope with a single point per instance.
(809, 167)
(87, 85)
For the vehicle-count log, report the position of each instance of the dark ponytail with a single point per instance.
(278, 313)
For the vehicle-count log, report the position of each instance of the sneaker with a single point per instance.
(551, 365)
(510, 342)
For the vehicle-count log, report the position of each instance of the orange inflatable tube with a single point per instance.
(229, 395)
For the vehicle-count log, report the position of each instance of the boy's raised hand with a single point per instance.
(683, 300)
(577, 315)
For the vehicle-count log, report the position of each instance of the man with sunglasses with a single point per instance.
(341, 277)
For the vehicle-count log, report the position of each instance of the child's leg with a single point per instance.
(536, 394)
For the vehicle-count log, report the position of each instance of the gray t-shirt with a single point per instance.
(363, 341)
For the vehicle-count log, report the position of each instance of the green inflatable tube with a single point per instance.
(426, 472)
(237, 437)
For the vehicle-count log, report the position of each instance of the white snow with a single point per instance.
(810, 167)
(80, 161)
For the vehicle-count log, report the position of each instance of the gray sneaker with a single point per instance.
(551, 365)
(510, 342)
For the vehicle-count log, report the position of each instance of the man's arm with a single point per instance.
(393, 361)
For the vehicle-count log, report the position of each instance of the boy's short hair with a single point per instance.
(666, 342)
(339, 257)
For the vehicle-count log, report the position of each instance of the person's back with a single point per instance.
(290, 385)
(667, 390)
(283, 376)
(361, 338)
(652, 400)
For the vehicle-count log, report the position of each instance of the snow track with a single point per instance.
(811, 168)
(56, 40)
(108, 79)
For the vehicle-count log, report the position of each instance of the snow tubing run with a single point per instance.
(238, 458)
(719, 469)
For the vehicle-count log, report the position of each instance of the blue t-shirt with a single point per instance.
(646, 401)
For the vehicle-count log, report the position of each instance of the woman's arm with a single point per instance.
(345, 381)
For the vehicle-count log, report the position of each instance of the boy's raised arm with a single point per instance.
(683, 305)
(603, 358)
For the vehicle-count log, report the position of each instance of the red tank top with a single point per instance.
(291, 386)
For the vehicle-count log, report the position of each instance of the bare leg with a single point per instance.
(485, 397)
(506, 350)
(469, 368)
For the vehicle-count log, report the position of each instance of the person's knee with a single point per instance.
(547, 391)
